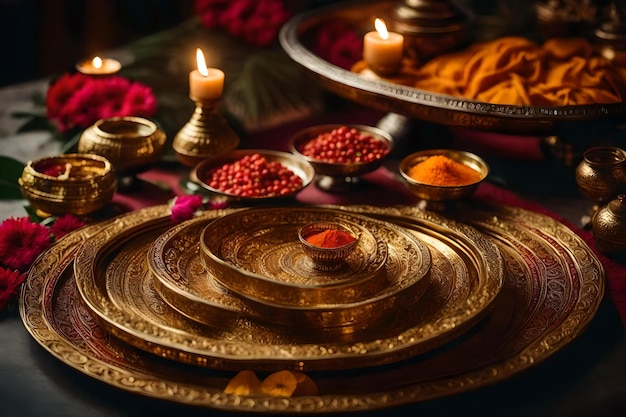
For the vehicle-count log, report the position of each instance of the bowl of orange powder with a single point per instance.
(443, 175)
(328, 244)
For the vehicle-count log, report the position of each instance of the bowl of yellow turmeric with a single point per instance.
(443, 175)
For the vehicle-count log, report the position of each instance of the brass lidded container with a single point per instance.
(68, 184)
(609, 228)
(130, 143)
(601, 175)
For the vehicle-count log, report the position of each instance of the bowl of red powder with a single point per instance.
(328, 244)
(443, 175)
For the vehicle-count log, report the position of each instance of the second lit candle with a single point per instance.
(383, 50)
(205, 83)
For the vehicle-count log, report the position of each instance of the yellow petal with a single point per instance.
(244, 383)
(279, 384)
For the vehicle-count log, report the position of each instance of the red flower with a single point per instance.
(257, 22)
(185, 206)
(10, 281)
(64, 225)
(21, 242)
(79, 101)
(338, 43)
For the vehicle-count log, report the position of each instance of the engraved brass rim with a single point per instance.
(47, 299)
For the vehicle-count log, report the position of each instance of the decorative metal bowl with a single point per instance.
(339, 177)
(434, 194)
(201, 173)
(68, 184)
(331, 257)
(132, 144)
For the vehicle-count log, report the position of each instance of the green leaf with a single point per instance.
(10, 171)
(72, 144)
(36, 124)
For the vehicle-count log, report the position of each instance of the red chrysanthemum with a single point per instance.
(21, 241)
(64, 225)
(79, 101)
(185, 206)
(338, 43)
(10, 281)
(257, 22)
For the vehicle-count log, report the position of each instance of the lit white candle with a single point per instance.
(99, 66)
(383, 50)
(205, 83)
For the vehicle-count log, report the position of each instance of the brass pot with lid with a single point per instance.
(609, 228)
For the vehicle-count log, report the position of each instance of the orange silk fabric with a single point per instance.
(517, 71)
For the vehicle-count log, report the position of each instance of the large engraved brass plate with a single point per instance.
(553, 285)
(465, 277)
(416, 103)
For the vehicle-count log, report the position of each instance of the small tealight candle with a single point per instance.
(99, 66)
(383, 50)
(205, 83)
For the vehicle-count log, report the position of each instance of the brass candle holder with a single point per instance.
(206, 135)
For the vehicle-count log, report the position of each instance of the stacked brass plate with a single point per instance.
(257, 255)
(117, 284)
(551, 287)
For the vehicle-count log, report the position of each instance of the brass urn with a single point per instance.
(132, 144)
(609, 228)
(68, 184)
(601, 175)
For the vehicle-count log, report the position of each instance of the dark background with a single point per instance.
(41, 38)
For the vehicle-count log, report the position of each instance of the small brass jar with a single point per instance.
(601, 175)
(68, 184)
(130, 143)
(609, 228)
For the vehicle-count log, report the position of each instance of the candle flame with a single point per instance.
(97, 62)
(381, 28)
(201, 63)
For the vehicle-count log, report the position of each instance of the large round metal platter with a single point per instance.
(464, 280)
(388, 96)
(537, 313)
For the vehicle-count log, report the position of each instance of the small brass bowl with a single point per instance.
(434, 194)
(68, 184)
(201, 173)
(131, 143)
(326, 258)
(339, 177)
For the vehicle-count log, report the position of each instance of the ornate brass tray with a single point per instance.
(416, 103)
(553, 287)
(256, 254)
(114, 279)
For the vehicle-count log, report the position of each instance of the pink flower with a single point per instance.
(21, 242)
(185, 207)
(64, 225)
(10, 281)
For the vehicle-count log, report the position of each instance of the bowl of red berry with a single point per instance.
(254, 174)
(341, 154)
